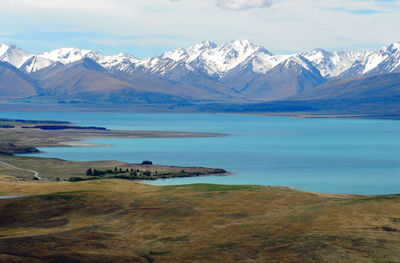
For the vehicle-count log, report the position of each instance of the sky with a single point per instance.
(147, 28)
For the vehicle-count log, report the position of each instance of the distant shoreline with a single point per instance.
(28, 138)
(174, 109)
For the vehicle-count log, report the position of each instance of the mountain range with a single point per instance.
(234, 72)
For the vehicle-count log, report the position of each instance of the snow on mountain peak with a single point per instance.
(13, 55)
(225, 57)
(69, 55)
(209, 57)
(3, 48)
(394, 47)
(215, 60)
(331, 64)
(383, 60)
(241, 44)
(297, 59)
(189, 54)
(263, 62)
(121, 62)
(204, 45)
(177, 54)
(35, 63)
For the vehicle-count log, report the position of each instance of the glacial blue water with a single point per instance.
(320, 155)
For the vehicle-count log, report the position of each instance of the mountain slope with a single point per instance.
(292, 76)
(377, 87)
(35, 63)
(87, 81)
(14, 84)
(176, 78)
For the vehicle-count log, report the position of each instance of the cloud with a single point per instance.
(357, 11)
(243, 4)
(147, 28)
(239, 4)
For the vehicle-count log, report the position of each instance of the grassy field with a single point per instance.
(111, 220)
(123, 221)
(60, 170)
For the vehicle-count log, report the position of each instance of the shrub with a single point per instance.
(75, 179)
(89, 172)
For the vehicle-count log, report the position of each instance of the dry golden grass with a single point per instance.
(123, 221)
(57, 169)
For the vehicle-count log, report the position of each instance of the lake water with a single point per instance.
(10, 196)
(320, 155)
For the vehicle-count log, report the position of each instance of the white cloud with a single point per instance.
(290, 25)
(243, 4)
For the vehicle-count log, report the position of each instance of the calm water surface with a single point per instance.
(320, 155)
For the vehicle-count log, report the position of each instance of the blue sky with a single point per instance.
(149, 27)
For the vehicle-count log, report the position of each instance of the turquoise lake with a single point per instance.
(319, 155)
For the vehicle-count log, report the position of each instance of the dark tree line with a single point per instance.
(95, 172)
(118, 171)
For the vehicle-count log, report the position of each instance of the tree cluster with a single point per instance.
(95, 172)
(119, 171)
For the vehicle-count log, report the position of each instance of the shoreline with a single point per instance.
(28, 139)
(19, 140)
(321, 116)
(109, 108)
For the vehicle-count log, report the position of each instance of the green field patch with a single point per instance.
(62, 195)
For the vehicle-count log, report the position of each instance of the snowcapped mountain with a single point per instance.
(13, 55)
(263, 62)
(65, 56)
(207, 71)
(332, 64)
(121, 62)
(35, 63)
(212, 59)
(381, 61)
(69, 55)
(288, 77)
(189, 54)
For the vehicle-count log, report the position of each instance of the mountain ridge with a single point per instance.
(236, 71)
(210, 57)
